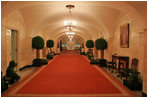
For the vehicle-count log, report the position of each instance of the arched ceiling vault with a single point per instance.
(87, 26)
(76, 38)
(92, 17)
(56, 37)
(54, 31)
(83, 19)
(75, 30)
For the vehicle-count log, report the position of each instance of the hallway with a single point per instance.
(69, 75)
(111, 34)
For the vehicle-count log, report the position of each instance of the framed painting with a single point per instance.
(124, 36)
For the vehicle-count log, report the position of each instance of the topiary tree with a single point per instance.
(38, 43)
(50, 44)
(101, 44)
(89, 45)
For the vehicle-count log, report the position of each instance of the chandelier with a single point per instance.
(69, 24)
(70, 34)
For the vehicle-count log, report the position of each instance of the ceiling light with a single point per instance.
(70, 23)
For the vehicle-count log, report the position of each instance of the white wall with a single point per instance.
(15, 21)
(137, 44)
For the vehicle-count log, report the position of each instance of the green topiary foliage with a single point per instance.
(27, 66)
(10, 73)
(134, 81)
(37, 42)
(89, 44)
(49, 56)
(50, 43)
(37, 62)
(103, 62)
(44, 61)
(94, 61)
(101, 44)
(4, 86)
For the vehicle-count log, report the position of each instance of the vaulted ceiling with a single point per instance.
(92, 17)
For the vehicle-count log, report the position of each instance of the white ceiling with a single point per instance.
(92, 17)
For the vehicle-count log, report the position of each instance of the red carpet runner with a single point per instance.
(70, 74)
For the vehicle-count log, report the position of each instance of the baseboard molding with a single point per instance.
(144, 94)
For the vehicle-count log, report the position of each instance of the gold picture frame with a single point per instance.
(124, 36)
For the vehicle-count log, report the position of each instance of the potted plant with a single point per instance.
(49, 56)
(4, 85)
(50, 44)
(11, 75)
(89, 45)
(94, 61)
(38, 43)
(102, 62)
(101, 44)
(134, 81)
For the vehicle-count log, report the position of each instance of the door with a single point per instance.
(12, 46)
(14, 41)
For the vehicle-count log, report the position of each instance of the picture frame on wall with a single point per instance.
(124, 36)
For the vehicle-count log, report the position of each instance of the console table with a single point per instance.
(121, 60)
(124, 60)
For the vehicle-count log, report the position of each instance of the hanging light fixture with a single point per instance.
(70, 23)
(70, 34)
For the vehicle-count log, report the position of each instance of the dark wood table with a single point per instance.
(122, 60)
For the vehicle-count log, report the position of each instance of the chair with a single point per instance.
(111, 65)
(135, 63)
(122, 69)
(124, 72)
(134, 66)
